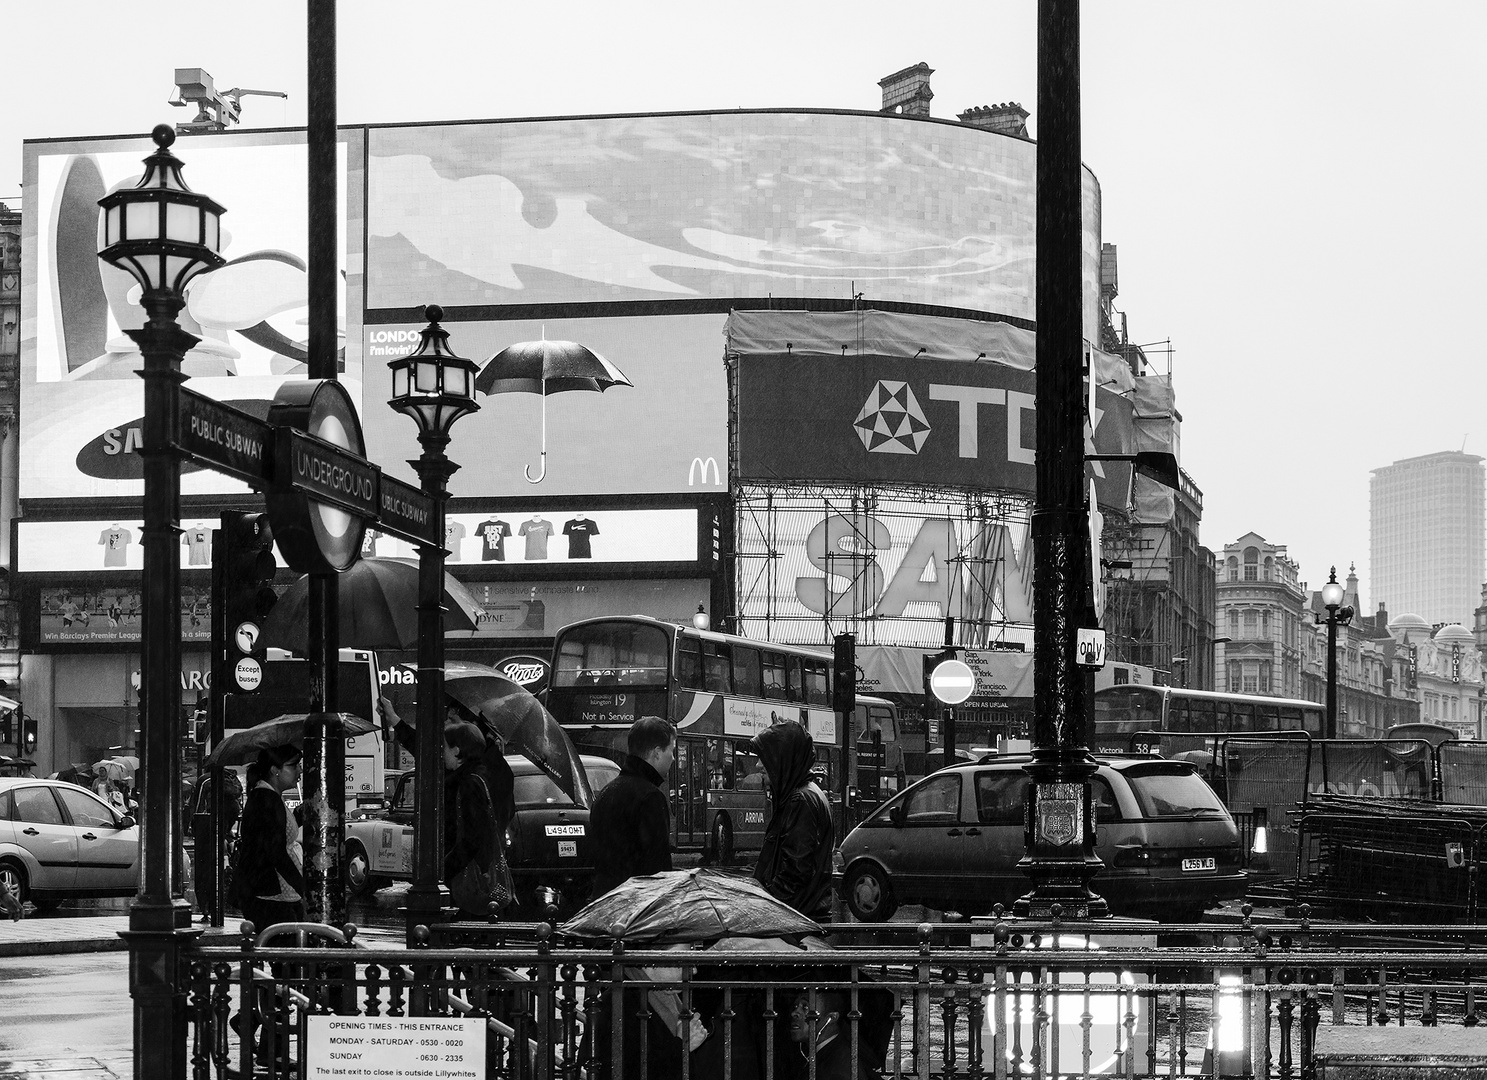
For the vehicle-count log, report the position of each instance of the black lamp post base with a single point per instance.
(158, 918)
(1061, 886)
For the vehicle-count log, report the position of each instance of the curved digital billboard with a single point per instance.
(695, 206)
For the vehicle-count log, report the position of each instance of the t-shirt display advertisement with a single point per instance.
(50, 547)
(666, 434)
(80, 392)
(574, 536)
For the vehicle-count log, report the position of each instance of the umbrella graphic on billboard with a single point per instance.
(547, 367)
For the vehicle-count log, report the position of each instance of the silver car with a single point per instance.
(59, 841)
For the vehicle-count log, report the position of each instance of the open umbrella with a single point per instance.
(128, 762)
(547, 367)
(526, 728)
(378, 606)
(110, 768)
(242, 746)
(687, 905)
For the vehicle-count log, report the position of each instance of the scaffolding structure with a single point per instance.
(887, 563)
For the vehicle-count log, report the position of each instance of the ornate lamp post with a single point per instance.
(163, 234)
(435, 387)
(1338, 614)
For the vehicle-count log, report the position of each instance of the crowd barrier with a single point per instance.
(996, 998)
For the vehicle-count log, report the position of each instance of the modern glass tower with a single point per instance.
(1426, 536)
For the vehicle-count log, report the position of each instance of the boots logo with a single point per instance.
(891, 421)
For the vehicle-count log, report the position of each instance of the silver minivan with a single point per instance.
(953, 840)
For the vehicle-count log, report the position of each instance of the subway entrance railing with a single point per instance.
(999, 998)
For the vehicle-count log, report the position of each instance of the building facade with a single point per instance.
(1260, 599)
(1426, 535)
(803, 287)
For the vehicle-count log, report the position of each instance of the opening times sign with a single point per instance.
(383, 1048)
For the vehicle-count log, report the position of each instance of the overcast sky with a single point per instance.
(1294, 188)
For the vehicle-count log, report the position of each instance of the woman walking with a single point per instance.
(270, 881)
(476, 811)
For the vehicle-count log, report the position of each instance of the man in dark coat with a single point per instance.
(630, 821)
(795, 861)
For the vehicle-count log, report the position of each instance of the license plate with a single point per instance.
(567, 849)
(1197, 864)
(577, 830)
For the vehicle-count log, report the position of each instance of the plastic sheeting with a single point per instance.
(687, 905)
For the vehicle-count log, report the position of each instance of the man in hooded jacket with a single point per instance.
(795, 861)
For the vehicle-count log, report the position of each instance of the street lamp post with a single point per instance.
(1338, 614)
(435, 387)
(163, 234)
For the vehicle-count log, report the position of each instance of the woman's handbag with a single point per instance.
(475, 888)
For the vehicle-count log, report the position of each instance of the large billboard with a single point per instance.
(909, 401)
(709, 206)
(667, 433)
(79, 392)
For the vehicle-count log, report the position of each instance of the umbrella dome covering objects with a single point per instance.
(547, 367)
(378, 604)
(505, 708)
(686, 906)
(241, 747)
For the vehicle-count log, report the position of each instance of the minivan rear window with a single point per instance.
(1166, 790)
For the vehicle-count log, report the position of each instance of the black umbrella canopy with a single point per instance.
(526, 728)
(241, 747)
(547, 367)
(378, 608)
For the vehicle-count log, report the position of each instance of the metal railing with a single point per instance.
(992, 999)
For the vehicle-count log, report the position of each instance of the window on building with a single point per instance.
(1251, 623)
(1251, 564)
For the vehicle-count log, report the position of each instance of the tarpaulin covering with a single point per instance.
(687, 905)
(890, 669)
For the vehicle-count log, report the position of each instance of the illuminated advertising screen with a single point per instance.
(551, 536)
(79, 392)
(668, 433)
(708, 206)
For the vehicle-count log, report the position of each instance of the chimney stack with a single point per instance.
(907, 92)
(1008, 118)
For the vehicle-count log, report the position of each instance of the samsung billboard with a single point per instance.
(82, 400)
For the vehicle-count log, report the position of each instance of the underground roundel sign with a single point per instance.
(324, 490)
(952, 681)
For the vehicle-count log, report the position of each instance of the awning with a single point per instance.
(9, 703)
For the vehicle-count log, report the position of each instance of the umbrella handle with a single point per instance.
(541, 470)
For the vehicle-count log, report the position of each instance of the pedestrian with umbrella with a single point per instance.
(269, 879)
(476, 813)
(795, 859)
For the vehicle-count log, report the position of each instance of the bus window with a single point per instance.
(717, 668)
(816, 689)
(747, 677)
(794, 678)
(774, 675)
(689, 663)
(747, 772)
(613, 654)
(1267, 718)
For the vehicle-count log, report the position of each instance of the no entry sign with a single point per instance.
(952, 682)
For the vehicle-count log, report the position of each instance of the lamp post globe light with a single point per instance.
(163, 234)
(1338, 614)
(435, 387)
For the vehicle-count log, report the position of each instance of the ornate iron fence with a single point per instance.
(992, 999)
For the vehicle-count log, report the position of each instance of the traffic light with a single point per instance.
(844, 675)
(242, 575)
(8, 725)
(28, 735)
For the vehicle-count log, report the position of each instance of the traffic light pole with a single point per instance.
(1060, 837)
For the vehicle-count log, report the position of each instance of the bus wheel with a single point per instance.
(722, 840)
(869, 896)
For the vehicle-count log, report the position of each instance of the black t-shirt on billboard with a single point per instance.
(493, 534)
(578, 531)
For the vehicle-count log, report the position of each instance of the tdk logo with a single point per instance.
(891, 421)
